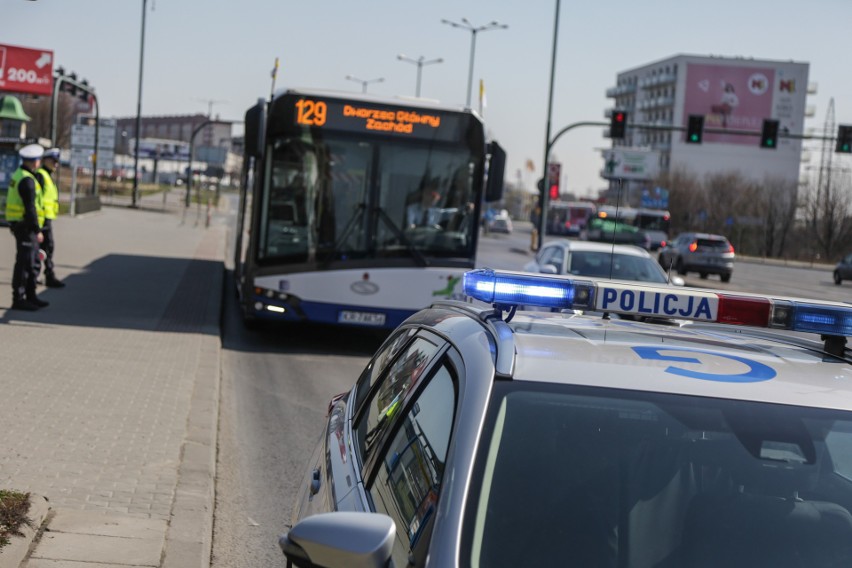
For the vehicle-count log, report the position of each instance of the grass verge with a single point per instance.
(14, 507)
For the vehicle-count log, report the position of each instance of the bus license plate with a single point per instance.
(363, 318)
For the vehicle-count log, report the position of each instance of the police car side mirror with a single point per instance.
(340, 540)
(548, 269)
(677, 281)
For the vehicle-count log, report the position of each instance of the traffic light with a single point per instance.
(617, 124)
(554, 172)
(844, 139)
(695, 128)
(769, 134)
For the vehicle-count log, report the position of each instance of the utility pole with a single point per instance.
(210, 103)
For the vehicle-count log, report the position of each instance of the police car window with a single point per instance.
(379, 363)
(384, 401)
(408, 483)
(620, 478)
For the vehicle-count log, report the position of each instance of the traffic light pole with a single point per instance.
(667, 128)
(542, 199)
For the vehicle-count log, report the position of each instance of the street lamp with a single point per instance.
(363, 82)
(466, 25)
(542, 198)
(420, 63)
(135, 195)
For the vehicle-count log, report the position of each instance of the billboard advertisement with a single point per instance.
(153, 148)
(26, 70)
(734, 97)
(630, 164)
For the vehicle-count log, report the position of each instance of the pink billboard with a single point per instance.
(729, 97)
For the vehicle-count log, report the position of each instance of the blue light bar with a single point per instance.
(511, 288)
(825, 319)
(507, 289)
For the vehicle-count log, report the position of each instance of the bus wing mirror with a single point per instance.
(254, 123)
(496, 169)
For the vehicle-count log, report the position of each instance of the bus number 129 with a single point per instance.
(311, 113)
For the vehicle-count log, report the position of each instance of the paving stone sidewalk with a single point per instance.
(109, 396)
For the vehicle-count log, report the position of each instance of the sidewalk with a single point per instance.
(109, 396)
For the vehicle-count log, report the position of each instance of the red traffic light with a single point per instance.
(617, 124)
(554, 192)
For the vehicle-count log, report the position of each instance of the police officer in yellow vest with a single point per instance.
(44, 175)
(25, 214)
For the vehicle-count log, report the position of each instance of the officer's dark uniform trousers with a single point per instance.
(47, 246)
(26, 260)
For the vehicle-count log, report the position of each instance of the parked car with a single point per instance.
(843, 270)
(481, 435)
(599, 260)
(703, 253)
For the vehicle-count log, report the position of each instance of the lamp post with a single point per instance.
(363, 82)
(420, 62)
(547, 143)
(135, 195)
(466, 25)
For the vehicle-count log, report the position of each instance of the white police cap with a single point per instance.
(52, 153)
(31, 152)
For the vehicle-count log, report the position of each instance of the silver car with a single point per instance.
(481, 435)
(599, 260)
(703, 253)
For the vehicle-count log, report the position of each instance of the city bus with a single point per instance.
(359, 210)
(568, 217)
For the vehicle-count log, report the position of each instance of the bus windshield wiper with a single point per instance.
(353, 222)
(421, 260)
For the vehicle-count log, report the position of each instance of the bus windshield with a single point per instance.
(335, 197)
(653, 220)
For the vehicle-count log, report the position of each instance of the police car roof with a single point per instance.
(690, 359)
(714, 344)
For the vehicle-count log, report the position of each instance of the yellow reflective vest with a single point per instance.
(50, 195)
(14, 203)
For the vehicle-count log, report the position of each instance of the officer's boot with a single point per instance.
(23, 304)
(51, 281)
(33, 298)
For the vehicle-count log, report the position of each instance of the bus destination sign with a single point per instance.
(356, 117)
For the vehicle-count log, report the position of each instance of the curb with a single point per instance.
(14, 553)
(188, 539)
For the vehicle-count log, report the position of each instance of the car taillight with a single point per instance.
(730, 247)
(693, 246)
(567, 224)
(662, 244)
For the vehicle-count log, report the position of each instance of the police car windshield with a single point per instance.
(579, 476)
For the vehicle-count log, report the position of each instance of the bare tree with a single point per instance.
(831, 222)
(39, 110)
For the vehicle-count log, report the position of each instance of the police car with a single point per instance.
(719, 433)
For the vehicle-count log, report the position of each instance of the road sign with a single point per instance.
(83, 157)
(26, 70)
(83, 136)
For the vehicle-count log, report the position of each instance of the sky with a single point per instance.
(219, 54)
